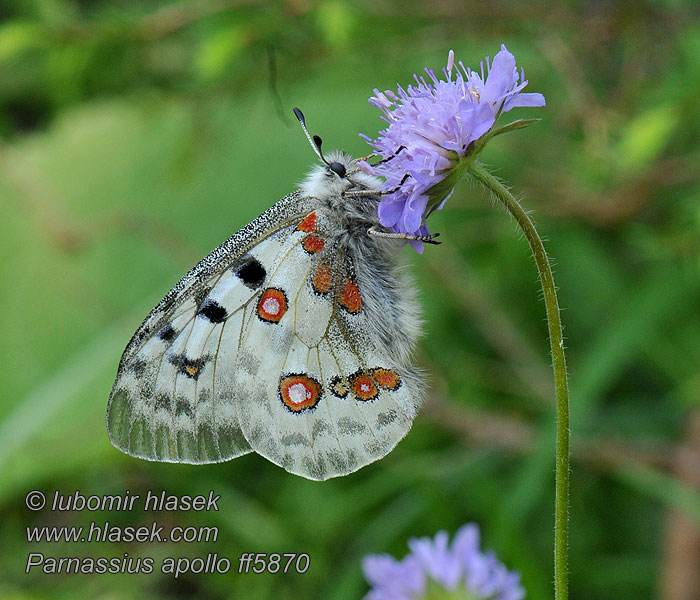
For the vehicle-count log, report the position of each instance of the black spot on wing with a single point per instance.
(190, 367)
(251, 272)
(212, 310)
(182, 407)
(167, 334)
(138, 367)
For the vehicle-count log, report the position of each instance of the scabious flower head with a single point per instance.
(436, 569)
(433, 126)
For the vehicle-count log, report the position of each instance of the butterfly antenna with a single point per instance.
(316, 143)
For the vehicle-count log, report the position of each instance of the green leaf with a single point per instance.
(519, 124)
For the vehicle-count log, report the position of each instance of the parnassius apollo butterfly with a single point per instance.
(291, 339)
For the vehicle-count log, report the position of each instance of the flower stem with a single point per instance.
(556, 340)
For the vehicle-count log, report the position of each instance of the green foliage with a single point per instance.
(137, 136)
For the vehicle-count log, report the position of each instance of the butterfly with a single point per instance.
(292, 339)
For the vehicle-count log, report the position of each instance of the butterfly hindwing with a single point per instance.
(314, 393)
(173, 399)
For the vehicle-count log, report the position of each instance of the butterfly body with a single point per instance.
(291, 339)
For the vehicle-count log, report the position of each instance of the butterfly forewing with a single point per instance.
(173, 398)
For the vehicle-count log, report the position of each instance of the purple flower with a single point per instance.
(432, 127)
(457, 571)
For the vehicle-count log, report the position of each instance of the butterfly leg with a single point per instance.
(388, 158)
(364, 193)
(428, 239)
(367, 158)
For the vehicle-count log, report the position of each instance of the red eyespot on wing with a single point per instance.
(386, 379)
(363, 386)
(299, 392)
(313, 244)
(308, 224)
(323, 278)
(350, 298)
(272, 305)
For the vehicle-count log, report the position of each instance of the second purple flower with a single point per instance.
(436, 568)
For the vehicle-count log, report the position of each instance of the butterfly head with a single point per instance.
(337, 173)
(335, 177)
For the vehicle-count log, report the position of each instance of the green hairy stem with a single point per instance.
(556, 340)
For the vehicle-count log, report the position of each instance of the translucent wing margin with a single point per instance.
(173, 398)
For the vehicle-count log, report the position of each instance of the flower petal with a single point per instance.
(502, 76)
(532, 99)
(390, 211)
(435, 122)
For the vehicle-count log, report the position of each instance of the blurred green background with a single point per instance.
(136, 136)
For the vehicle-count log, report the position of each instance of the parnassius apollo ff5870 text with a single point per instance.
(291, 339)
